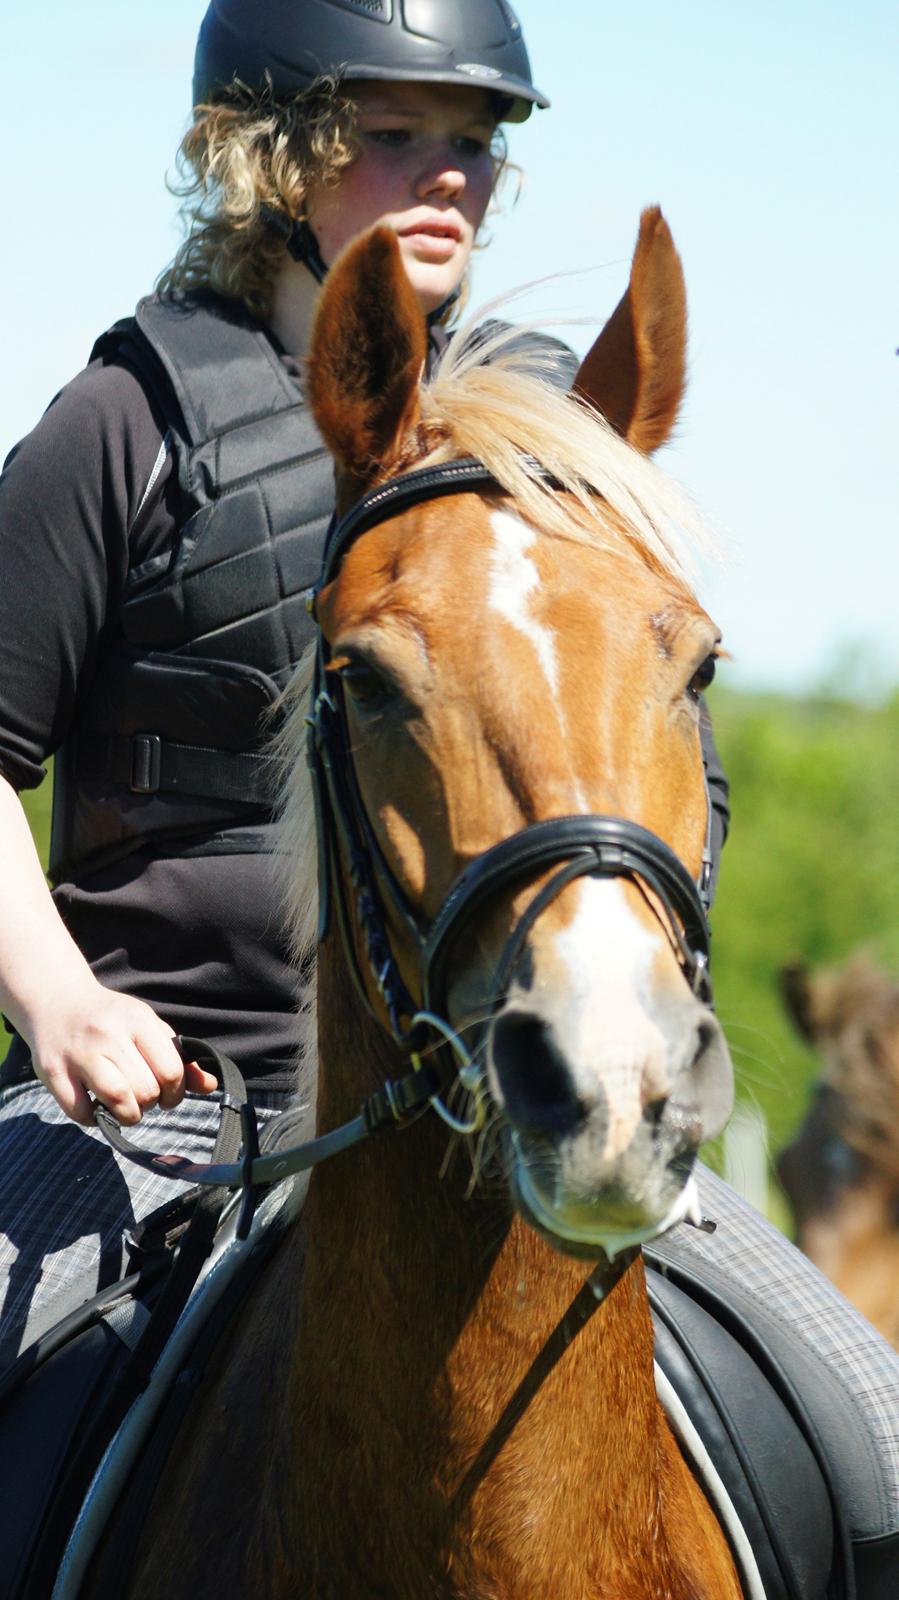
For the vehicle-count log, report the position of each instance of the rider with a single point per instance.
(177, 492)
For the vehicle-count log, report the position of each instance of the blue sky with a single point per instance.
(768, 133)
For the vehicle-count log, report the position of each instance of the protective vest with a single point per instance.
(170, 738)
(170, 735)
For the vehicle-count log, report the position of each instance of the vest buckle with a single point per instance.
(146, 763)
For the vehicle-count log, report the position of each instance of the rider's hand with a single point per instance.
(93, 1040)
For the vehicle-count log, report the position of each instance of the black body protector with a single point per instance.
(170, 736)
(170, 739)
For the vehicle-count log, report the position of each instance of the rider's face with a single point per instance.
(425, 170)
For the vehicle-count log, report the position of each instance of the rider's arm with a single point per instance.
(68, 497)
(81, 1036)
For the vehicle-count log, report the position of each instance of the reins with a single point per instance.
(396, 1103)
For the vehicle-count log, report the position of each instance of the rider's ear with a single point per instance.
(367, 356)
(634, 373)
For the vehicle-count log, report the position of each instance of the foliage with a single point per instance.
(811, 870)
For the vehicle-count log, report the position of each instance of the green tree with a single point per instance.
(811, 870)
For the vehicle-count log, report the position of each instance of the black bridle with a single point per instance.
(576, 846)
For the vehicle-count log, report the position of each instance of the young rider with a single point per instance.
(177, 493)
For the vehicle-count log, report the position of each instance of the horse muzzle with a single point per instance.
(602, 1133)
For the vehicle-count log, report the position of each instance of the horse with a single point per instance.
(502, 733)
(841, 1171)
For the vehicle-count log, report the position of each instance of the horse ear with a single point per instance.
(634, 374)
(797, 993)
(367, 353)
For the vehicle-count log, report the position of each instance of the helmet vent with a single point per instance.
(512, 21)
(378, 10)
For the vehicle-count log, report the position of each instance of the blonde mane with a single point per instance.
(498, 397)
(297, 869)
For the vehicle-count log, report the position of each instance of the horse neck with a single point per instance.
(381, 1214)
(422, 1312)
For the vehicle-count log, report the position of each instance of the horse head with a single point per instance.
(840, 1172)
(519, 653)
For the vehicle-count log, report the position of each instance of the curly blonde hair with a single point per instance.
(246, 165)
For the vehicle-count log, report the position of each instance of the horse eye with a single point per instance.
(703, 676)
(362, 683)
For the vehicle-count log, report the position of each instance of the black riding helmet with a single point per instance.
(289, 43)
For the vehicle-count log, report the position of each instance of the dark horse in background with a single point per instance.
(841, 1171)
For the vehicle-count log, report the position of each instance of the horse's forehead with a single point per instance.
(472, 562)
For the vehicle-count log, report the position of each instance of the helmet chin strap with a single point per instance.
(302, 245)
(301, 242)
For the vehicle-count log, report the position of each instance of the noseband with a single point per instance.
(577, 846)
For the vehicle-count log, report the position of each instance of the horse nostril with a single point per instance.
(537, 1087)
(705, 1037)
(654, 1111)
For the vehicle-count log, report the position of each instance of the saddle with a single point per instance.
(760, 1436)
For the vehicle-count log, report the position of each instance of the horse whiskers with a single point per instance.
(463, 1101)
(546, 1169)
(755, 1069)
(452, 1145)
(483, 1150)
(477, 1164)
(487, 1149)
(735, 1024)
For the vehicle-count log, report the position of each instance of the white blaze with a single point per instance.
(603, 1026)
(513, 580)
